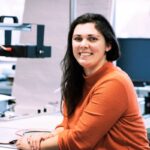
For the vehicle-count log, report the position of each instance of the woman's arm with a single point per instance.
(58, 130)
(46, 140)
(50, 144)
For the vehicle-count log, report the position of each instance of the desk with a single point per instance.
(42, 122)
(48, 122)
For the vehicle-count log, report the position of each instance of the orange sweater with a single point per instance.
(108, 118)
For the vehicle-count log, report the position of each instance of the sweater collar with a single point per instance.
(91, 79)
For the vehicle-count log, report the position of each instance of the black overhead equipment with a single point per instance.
(30, 51)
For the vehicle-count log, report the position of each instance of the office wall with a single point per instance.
(133, 18)
(105, 7)
(37, 81)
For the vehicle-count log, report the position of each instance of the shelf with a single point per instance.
(16, 26)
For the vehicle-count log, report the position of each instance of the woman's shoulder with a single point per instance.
(116, 75)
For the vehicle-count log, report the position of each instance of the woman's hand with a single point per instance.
(32, 141)
(22, 144)
(35, 139)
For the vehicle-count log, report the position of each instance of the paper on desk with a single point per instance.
(8, 146)
(8, 134)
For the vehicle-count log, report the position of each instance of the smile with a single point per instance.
(85, 54)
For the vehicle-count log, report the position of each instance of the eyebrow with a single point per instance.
(87, 35)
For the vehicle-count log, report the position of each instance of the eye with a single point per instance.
(77, 38)
(92, 39)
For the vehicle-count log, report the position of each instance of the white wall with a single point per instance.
(37, 81)
(132, 18)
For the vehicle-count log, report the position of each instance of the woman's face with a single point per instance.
(89, 47)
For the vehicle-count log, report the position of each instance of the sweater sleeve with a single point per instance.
(107, 103)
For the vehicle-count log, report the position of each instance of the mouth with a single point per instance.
(85, 54)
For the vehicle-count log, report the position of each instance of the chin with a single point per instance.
(86, 66)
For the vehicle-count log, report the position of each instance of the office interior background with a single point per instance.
(36, 81)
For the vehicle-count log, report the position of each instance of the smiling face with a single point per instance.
(89, 47)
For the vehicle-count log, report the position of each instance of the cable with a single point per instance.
(8, 49)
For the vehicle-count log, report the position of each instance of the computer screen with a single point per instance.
(135, 59)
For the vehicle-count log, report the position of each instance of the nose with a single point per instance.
(84, 43)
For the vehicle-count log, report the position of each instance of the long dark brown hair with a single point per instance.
(72, 80)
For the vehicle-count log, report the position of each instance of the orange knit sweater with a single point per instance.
(108, 118)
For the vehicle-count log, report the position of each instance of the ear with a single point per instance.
(108, 48)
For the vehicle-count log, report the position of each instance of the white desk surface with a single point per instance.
(48, 122)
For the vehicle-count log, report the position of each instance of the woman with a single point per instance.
(99, 102)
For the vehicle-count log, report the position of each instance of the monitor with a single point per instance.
(135, 59)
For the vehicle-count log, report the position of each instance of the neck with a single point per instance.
(90, 71)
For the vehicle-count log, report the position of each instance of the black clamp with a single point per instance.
(32, 51)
